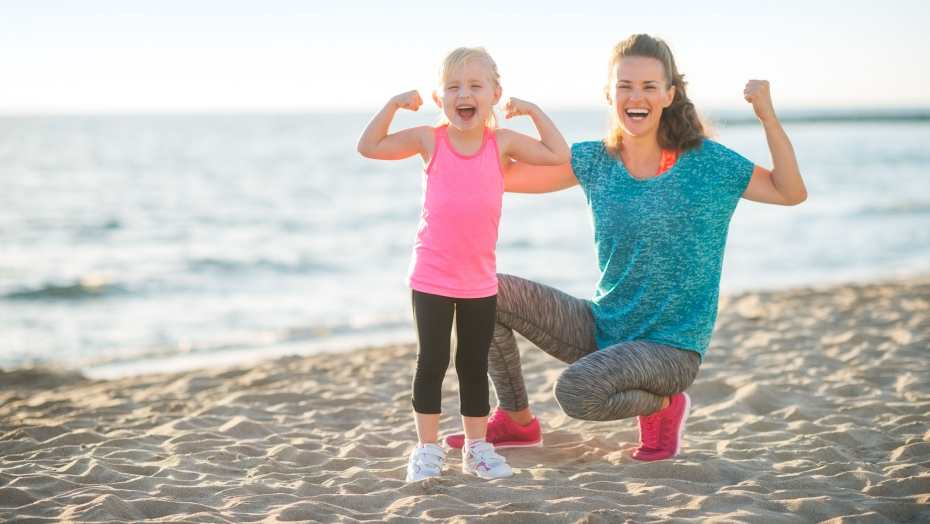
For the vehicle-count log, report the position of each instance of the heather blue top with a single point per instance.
(660, 243)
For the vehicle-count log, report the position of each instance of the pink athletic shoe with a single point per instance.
(504, 433)
(660, 434)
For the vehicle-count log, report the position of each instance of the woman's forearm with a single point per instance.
(786, 175)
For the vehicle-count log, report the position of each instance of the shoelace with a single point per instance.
(655, 431)
(498, 427)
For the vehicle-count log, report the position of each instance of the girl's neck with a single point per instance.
(465, 136)
(465, 142)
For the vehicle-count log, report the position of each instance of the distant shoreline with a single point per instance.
(724, 116)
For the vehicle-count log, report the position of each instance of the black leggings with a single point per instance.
(474, 328)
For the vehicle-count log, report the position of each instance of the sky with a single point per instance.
(199, 56)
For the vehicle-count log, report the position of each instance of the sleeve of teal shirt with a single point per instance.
(733, 169)
(582, 162)
(738, 171)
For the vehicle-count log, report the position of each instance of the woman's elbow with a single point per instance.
(798, 198)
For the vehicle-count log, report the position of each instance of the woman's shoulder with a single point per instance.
(711, 149)
(586, 152)
(711, 152)
(589, 147)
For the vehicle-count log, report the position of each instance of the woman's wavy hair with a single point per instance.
(680, 127)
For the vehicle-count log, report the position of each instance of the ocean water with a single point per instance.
(131, 244)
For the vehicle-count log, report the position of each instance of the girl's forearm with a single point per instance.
(786, 175)
(377, 129)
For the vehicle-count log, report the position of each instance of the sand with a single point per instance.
(812, 406)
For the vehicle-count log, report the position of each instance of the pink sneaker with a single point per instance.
(504, 433)
(660, 434)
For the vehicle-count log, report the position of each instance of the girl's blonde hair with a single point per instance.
(458, 58)
(680, 127)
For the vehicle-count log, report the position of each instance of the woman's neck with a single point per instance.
(640, 154)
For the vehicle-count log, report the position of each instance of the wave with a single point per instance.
(235, 266)
(903, 208)
(257, 341)
(84, 288)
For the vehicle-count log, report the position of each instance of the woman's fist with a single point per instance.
(759, 94)
(410, 100)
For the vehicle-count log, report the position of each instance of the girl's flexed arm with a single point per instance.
(375, 141)
(549, 150)
(783, 184)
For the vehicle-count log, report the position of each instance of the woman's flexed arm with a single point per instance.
(526, 178)
(783, 184)
(375, 141)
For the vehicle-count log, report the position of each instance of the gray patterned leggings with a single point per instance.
(621, 381)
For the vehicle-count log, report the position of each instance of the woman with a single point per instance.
(660, 196)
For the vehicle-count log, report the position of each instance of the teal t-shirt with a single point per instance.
(660, 242)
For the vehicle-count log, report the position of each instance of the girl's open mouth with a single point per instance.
(466, 112)
(637, 115)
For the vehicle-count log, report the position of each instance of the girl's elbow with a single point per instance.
(364, 150)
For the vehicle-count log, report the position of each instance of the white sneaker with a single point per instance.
(425, 461)
(481, 460)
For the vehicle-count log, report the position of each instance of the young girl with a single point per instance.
(453, 271)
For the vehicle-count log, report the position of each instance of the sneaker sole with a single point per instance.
(466, 469)
(681, 427)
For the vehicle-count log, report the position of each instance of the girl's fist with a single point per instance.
(758, 94)
(410, 100)
(515, 107)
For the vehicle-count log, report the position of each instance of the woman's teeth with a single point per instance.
(466, 112)
(637, 115)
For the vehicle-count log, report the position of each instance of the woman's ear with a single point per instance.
(436, 99)
(607, 94)
(669, 97)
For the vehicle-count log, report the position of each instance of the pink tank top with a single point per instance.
(453, 255)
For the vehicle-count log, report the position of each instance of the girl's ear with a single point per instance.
(497, 95)
(669, 96)
(436, 99)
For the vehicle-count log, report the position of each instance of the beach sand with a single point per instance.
(813, 405)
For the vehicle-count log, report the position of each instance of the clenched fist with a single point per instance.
(410, 100)
(759, 94)
(515, 107)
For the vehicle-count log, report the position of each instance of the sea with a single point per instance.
(162, 243)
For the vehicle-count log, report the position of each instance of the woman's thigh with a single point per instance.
(625, 380)
(554, 321)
